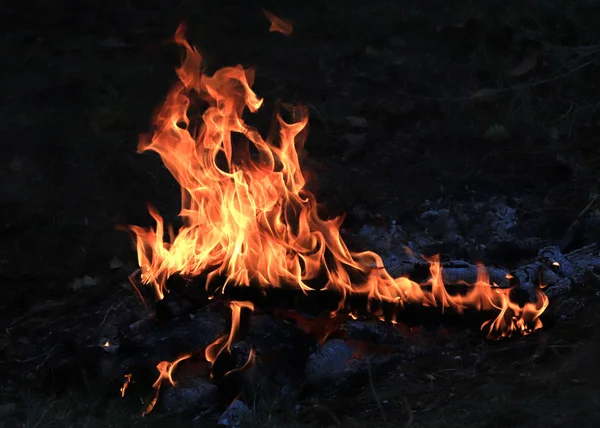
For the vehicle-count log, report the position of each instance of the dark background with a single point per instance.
(80, 81)
(448, 107)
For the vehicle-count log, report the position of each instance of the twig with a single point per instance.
(46, 356)
(408, 411)
(110, 309)
(569, 235)
(320, 115)
(38, 308)
(375, 395)
(131, 279)
(204, 414)
(492, 92)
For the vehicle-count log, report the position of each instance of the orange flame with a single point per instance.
(278, 24)
(248, 218)
(249, 363)
(165, 370)
(224, 342)
(126, 382)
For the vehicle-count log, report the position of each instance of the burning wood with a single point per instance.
(165, 369)
(249, 219)
(252, 239)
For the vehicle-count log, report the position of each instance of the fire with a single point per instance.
(278, 24)
(248, 218)
(165, 370)
(126, 382)
(224, 342)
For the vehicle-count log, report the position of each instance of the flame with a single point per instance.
(248, 218)
(278, 24)
(126, 382)
(165, 372)
(224, 342)
(249, 363)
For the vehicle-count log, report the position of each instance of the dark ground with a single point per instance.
(500, 97)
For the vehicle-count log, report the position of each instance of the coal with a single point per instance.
(166, 341)
(230, 359)
(235, 415)
(373, 332)
(139, 326)
(327, 364)
(173, 306)
(198, 395)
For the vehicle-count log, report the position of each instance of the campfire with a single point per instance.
(253, 238)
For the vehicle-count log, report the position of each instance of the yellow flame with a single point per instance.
(248, 218)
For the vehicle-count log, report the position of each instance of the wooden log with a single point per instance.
(551, 269)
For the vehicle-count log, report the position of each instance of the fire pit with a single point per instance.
(253, 240)
(260, 305)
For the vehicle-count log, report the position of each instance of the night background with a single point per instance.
(431, 115)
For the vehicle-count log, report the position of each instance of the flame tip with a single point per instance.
(248, 217)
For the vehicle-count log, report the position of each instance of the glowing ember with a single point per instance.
(278, 24)
(248, 218)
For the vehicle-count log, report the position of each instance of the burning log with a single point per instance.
(252, 237)
(250, 222)
(327, 301)
(453, 272)
(551, 269)
(549, 266)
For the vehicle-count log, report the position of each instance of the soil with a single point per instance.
(456, 101)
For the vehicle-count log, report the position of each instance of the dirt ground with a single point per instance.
(501, 97)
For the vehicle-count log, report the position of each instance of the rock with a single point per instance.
(197, 395)
(328, 362)
(568, 309)
(84, 282)
(374, 332)
(354, 144)
(562, 286)
(8, 409)
(356, 121)
(496, 132)
(116, 263)
(235, 414)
